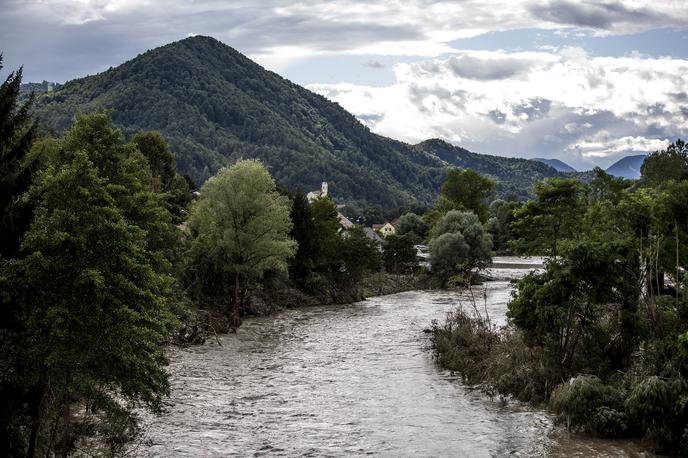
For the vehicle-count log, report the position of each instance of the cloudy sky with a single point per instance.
(584, 81)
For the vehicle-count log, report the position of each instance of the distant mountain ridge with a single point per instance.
(559, 166)
(627, 167)
(215, 106)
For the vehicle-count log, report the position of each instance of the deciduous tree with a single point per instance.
(240, 229)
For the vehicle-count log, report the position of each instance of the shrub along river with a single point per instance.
(351, 380)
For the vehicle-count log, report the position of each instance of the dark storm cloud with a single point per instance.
(597, 15)
(471, 67)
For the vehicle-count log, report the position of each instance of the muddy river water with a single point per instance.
(348, 381)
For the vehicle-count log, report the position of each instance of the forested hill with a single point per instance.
(215, 106)
(514, 176)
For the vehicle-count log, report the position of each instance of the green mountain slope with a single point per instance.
(514, 176)
(215, 106)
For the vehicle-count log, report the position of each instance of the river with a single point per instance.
(347, 381)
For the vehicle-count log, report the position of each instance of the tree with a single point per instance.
(412, 223)
(563, 308)
(164, 177)
(469, 190)
(359, 255)
(17, 131)
(399, 253)
(316, 231)
(499, 224)
(448, 253)
(94, 311)
(87, 297)
(459, 244)
(665, 165)
(240, 229)
(554, 214)
(159, 157)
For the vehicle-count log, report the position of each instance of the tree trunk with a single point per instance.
(35, 411)
(235, 315)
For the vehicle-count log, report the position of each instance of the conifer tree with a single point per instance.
(17, 131)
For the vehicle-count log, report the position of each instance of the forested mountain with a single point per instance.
(627, 167)
(215, 106)
(559, 166)
(514, 176)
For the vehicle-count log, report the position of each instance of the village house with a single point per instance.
(385, 229)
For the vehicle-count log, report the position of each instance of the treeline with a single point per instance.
(601, 334)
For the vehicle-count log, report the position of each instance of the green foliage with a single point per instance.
(459, 244)
(468, 190)
(500, 222)
(240, 229)
(665, 165)
(410, 223)
(660, 407)
(569, 307)
(215, 106)
(316, 231)
(399, 254)
(497, 361)
(555, 214)
(600, 314)
(94, 290)
(605, 187)
(360, 254)
(448, 254)
(160, 158)
(17, 131)
(164, 177)
(329, 262)
(588, 404)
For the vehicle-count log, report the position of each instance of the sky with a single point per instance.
(587, 82)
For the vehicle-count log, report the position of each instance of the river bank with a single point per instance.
(198, 325)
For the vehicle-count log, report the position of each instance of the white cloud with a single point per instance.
(564, 103)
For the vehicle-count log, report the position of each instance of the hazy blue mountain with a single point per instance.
(559, 166)
(214, 105)
(627, 167)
